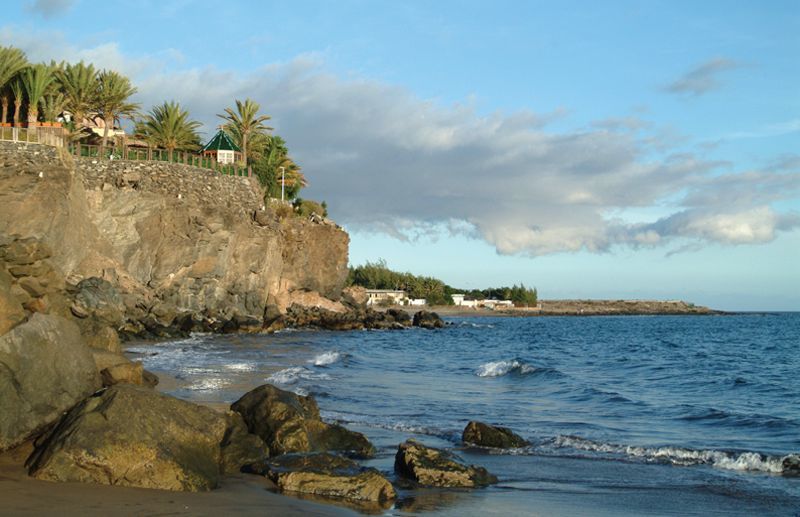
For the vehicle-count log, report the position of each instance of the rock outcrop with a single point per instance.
(485, 435)
(154, 248)
(44, 370)
(291, 423)
(437, 468)
(326, 475)
(240, 447)
(133, 436)
(428, 320)
(791, 465)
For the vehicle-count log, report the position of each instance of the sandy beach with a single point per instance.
(238, 495)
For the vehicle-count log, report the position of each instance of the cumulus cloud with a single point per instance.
(50, 8)
(702, 78)
(387, 161)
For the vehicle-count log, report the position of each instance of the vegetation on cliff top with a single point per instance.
(84, 98)
(377, 275)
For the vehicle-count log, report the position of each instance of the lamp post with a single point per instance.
(283, 182)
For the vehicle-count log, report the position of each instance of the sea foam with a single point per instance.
(294, 374)
(326, 358)
(741, 461)
(500, 368)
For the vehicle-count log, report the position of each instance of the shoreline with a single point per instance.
(582, 308)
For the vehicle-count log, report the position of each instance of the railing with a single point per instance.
(57, 137)
(53, 136)
(153, 154)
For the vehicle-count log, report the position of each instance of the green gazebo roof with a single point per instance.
(221, 142)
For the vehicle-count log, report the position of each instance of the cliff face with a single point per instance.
(174, 241)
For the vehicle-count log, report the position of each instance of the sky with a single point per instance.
(622, 150)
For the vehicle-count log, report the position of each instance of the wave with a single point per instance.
(326, 358)
(500, 368)
(294, 374)
(390, 424)
(741, 461)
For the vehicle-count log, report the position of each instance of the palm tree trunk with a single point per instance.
(105, 136)
(17, 106)
(4, 101)
(244, 148)
(33, 116)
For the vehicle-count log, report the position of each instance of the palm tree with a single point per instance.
(114, 90)
(169, 126)
(53, 105)
(245, 121)
(12, 62)
(81, 90)
(36, 79)
(18, 91)
(268, 169)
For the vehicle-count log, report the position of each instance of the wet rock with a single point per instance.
(428, 320)
(791, 465)
(291, 423)
(434, 467)
(485, 435)
(240, 447)
(132, 436)
(326, 475)
(44, 370)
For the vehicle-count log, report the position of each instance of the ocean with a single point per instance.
(629, 415)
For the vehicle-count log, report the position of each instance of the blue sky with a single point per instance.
(621, 150)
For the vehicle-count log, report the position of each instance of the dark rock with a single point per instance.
(133, 436)
(44, 370)
(291, 423)
(428, 320)
(240, 447)
(791, 465)
(325, 475)
(484, 435)
(434, 467)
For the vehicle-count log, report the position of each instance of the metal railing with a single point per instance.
(45, 135)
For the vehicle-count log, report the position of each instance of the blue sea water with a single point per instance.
(656, 415)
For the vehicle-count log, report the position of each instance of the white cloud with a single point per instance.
(388, 161)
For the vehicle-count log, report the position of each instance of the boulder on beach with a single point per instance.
(133, 436)
(485, 435)
(291, 423)
(427, 320)
(437, 468)
(327, 475)
(240, 447)
(45, 369)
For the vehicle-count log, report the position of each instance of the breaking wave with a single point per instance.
(326, 358)
(500, 368)
(741, 461)
(294, 374)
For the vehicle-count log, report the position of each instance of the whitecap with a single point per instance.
(742, 461)
(295, 373)
(500, 368)
(326, 358)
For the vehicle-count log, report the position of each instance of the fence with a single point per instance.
(58, 137)
(53, 136)
(152, 154)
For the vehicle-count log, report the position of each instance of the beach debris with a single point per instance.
(327, 475)
(438, 468)
(485, 435)
(288, 422)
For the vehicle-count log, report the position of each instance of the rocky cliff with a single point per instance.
(174, 246)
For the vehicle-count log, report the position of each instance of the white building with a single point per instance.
(416, 301)
(376, 296)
